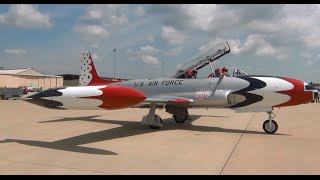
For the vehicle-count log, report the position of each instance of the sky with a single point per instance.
(280, 40)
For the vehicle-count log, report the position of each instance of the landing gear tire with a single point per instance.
(180, 119)
(270, 129)
(157, 118)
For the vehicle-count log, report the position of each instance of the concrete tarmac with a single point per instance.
(36, 140)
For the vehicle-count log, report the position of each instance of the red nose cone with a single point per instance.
(299, 94)
(117, 97)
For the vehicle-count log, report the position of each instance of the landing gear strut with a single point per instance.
(154, 121)
(157, 119)
(270, 126)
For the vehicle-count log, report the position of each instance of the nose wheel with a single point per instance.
(270, 126)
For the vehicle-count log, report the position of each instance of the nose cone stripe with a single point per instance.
(116, 97)
(45, 102)
(47, 93)
(299, 94)
(250, 97)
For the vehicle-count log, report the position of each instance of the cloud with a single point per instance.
(149, 49)
(139, 11)
(175, 51)
(306, 55)
(107, 14)
(144, 53)
(150, 38)
(15, 51)
(94, 45)
(259, 12)
(93, 30)
(311, 39)
(310, 58)
(93, 14)
(289, 24)
(302, 22)
(171, 35)
(254, 43)
(95, 56)
(256, 33)
(204, 17)
(26, 16)
(143, 50)
(261, 47)
(150, 59)
(264, 26)
(102, 21)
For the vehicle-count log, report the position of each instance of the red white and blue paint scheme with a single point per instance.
(242, 92)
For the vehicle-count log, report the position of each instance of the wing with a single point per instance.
(168, 100)
(161, 101)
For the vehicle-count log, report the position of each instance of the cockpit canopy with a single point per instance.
(204, 58)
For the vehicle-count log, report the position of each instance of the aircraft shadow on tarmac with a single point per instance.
(127, 129)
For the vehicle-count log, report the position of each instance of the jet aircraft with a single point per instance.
(240, 92)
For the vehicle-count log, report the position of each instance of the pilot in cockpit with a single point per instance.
(192, 73)
(218, 72)
(225, 71)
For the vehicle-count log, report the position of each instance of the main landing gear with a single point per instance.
(270, 126)
(180, 115)
(154, 121)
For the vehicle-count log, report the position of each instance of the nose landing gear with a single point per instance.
(270, 126)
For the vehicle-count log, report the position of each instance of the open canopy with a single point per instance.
(203, 58)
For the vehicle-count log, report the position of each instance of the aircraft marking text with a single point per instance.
(203, 94)
(155, 83)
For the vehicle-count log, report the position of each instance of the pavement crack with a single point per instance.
(63, 167)
(234, 148)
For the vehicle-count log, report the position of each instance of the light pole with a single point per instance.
(114, 63)
(163, 64)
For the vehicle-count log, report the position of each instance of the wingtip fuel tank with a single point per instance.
(88, 97)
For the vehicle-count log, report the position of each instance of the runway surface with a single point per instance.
(36, 140)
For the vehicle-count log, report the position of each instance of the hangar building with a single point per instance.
(28, 77)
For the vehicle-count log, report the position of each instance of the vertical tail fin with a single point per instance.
(88, 73)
